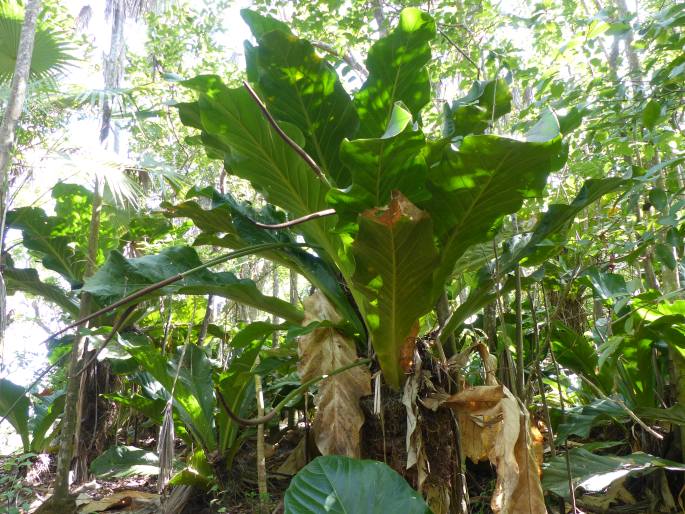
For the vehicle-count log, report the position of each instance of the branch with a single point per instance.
(279, 407)
(347, 57)
(163, 283)
(462, 52)
(298, 149)
(297, 221)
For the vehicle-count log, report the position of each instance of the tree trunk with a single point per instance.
(70, 419)
(8, 128)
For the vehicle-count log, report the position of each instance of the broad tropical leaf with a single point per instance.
(474, 187)
(234, 126)
(40, 236)
(395, 257)
(119, 277)
(230, 223)
(193, 392)
(397, 73)
(339, 417)
(339, 485)
(545, 239)
(14, 405)
(28, 281)
(594, 473)
(301, 88)
(124, 461)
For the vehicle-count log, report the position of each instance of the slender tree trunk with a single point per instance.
(71, 421)
(261, 455)
(8, 128)
(275, 292)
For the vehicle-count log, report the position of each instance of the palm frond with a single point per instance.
(51, 51)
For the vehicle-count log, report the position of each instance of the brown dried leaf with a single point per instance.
(339, 417)
(492, 421)
(416, 454)
(296, 460)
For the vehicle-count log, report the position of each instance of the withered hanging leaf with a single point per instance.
(297, 459)
(492, 422)
(339, 417)
(416, 454)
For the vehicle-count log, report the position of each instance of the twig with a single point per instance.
(163, 283)
(622, 404)
(298, 149)
(462, 52)
(296, 221)
(279, 407)
(347, 57)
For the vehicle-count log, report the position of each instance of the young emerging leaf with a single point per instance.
(395, 258)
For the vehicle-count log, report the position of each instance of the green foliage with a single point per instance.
(311, 98)
(51, 50)
(124, 461)
(397, 73)
(119, 277)
(14, 404)
(340, 484)
(596, 472)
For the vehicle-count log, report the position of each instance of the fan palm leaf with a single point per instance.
(51, 51)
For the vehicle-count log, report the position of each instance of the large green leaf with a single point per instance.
(395, 257)
(380, 166)
(40, 236)
(28, 281)
(340, 485)
(14, 397)
(45, 415)
(193, 392)
(234, 126)
(594, 473)
(486, 101)
(120, 277)
(61, 241)
(301, 88)
(397, 72)
(474, 187)
(545, 239)
(124, 461)
(229, 223)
